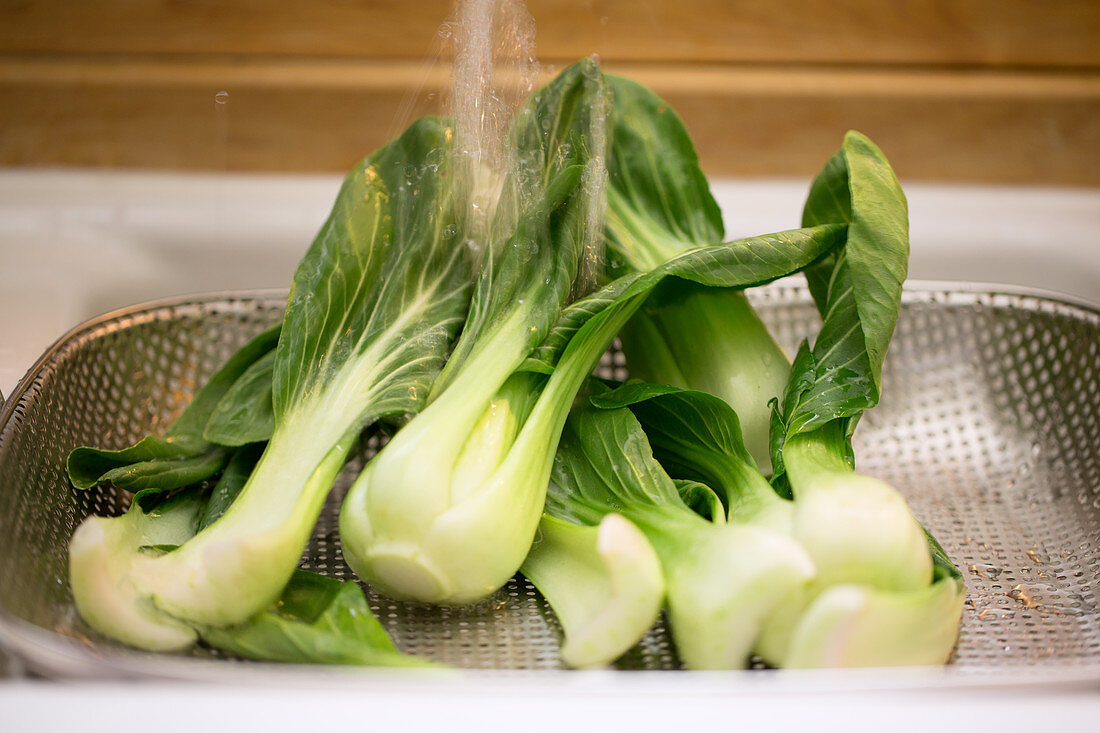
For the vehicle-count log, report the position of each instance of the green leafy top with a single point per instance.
(697, 436)
(604, 464)
(245, 414)
(659, 203)
(385, 275)
(857, 289)
(859, 188)
(192, 422)
(317, 620)
(187, 454)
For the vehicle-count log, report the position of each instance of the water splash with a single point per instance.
(595, 189)
(221, 129)
(494, 70)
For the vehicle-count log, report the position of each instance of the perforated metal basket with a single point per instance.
(989, 424)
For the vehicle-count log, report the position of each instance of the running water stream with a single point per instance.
(495, 69)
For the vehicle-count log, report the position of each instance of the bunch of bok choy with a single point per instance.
(473, 341)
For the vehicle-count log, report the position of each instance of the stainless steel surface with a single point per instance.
(990, 424)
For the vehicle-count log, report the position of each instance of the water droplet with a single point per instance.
(985, 571)
(221, 98)
(1023, 596)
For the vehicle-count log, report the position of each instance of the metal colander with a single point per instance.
(989, 424)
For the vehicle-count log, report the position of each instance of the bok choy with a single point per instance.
(858, 529)
(447, 509)
(372, 312)
(722, 487)
(315, 619)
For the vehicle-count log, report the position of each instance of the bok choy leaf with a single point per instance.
(317, 620)
(186, 454)
(697, 437)
(858, 530)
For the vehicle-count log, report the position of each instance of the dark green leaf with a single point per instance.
(317, 620)
(168, 518)
(193, 420)
(605, 464)
(695, 436)
(659, 203)
(683, 416)
(245, 414)
(858, 289)
(941, 563)
(230, 483)
(859, 188)
(159, 548)
(539, 234)
(153, 463)
(183, 456)
(702, 499)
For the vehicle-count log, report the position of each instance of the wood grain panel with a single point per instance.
(940, 32)
(322, 116)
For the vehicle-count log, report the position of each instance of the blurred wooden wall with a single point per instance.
(955, 90)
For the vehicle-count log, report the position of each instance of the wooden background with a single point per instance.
(952, 90)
